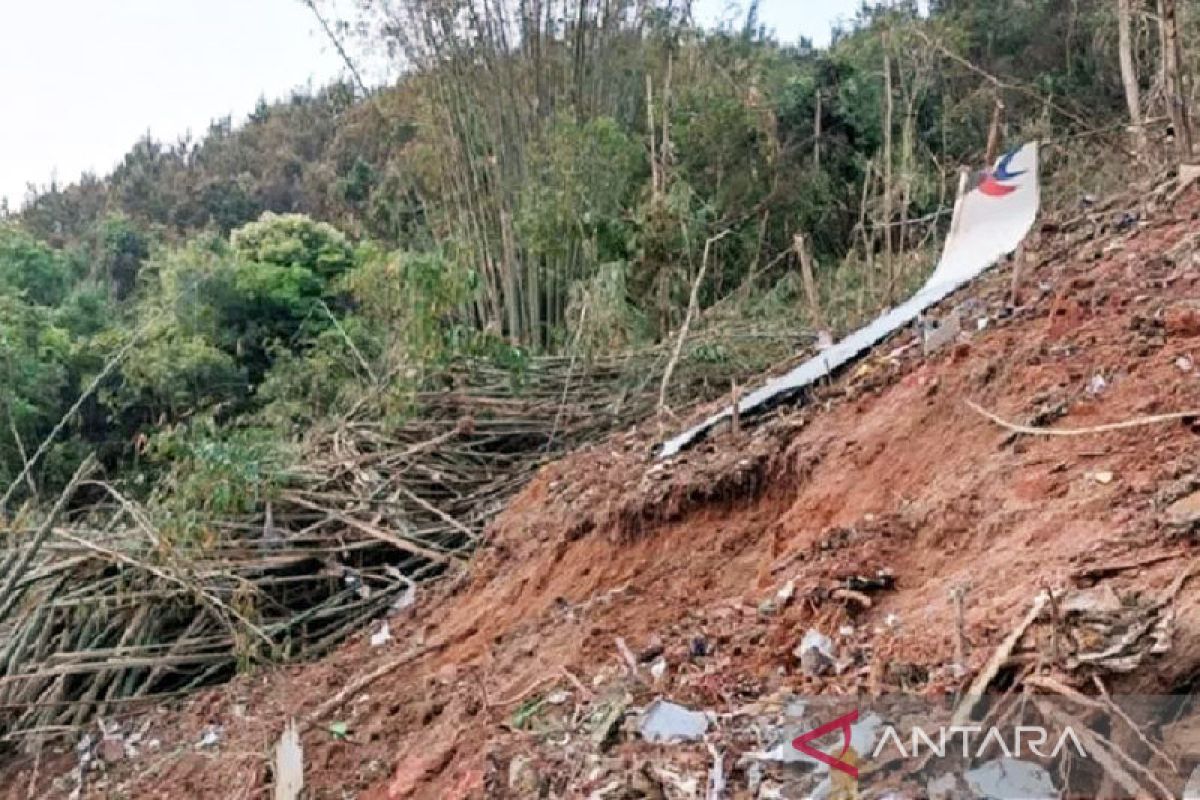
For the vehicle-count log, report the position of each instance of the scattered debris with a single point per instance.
(211, 737)
(816, 653)
(1185, 512)
(664, 721)
(785, 593)
(382, 636)
(1010, 779)
(289, 764)
(606, 717)
(112, 748)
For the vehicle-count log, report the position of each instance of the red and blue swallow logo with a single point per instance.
(993, 183)
(803, 743)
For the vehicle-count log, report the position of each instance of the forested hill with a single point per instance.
(556, 177)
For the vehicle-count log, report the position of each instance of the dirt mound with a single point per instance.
(613, 579)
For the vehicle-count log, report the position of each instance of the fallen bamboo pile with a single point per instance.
(104, 609)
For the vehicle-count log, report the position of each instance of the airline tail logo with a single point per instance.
(843, 724)
(994, 182)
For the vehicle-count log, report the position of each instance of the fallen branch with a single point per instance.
(974, 694)
(1138, 422)
(1105, 753)
(693, 304)
(357, 685)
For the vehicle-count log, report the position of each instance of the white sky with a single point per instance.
(82, 80)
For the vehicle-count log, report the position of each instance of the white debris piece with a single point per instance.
(1192, 790)
(665, 721)
(1010, 779)
(211, 737)
(815, 652)
(289, 764)
(382, 636)
(785, 593)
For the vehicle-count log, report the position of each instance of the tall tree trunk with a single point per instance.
(811, 295)
(993, 142)
(888, 113)
(1173, 71)
(655, 167)
(817, 133)
(1129, 77)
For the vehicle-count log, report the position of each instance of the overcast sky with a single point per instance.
(82, 80)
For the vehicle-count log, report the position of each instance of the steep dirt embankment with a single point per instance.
(888, 470)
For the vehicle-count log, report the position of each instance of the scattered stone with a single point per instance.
(883, 581)
(522, 778)
(1184, 363)
(1103, 477)
(1184, 512)
(1182, 321)
(608, 719)
(1098, 599)
(1097, 385)
(816, 653)
(112, 749)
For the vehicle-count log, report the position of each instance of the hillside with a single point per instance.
(348, 414)
(494, 683)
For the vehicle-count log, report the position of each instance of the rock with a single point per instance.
(1099, 599)
(1182, 321)
(609, 720)
(112, 749)
(815, 652)
(522, 777)
(416, 770)
(1184, 512)
(653, 649)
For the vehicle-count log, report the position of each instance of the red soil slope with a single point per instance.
(889, 469)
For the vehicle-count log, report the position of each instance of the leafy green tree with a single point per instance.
(32, 269)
